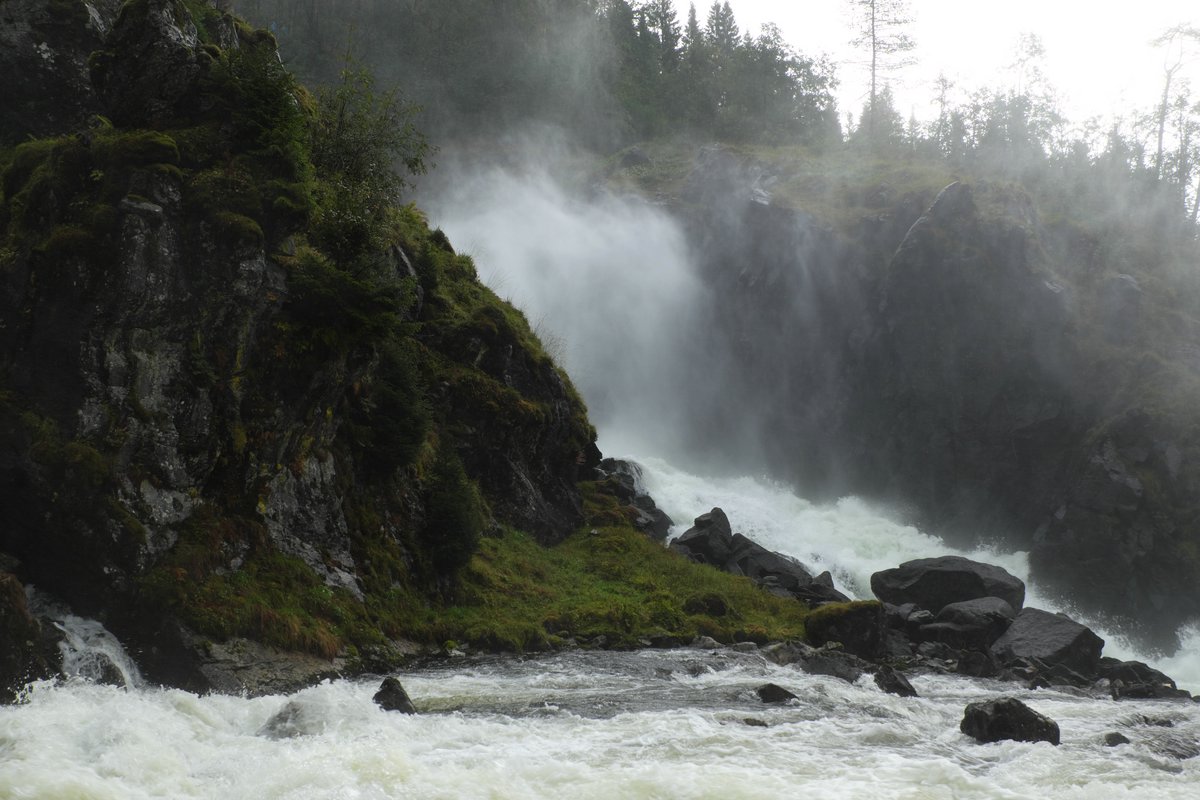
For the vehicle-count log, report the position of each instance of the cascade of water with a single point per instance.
(89, 651)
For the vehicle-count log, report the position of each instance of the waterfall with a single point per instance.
(89, 651)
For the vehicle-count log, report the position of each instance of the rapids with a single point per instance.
(652, 724)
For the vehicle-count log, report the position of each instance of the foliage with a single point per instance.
(454, 514)
(609, 582)
(359, 140)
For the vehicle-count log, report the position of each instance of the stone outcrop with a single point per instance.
(711, 541)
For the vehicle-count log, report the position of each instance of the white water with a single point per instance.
(582, 725)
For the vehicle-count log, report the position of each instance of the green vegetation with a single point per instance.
(612, 582)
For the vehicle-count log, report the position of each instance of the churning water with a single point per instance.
(653, 724)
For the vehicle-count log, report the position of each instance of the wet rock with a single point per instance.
(1007, 718)
(978, 664)
(892, 682)
(711, 541)
(22, 655)
(976, 623)
(773, 693)
(1134, 680)
(392, 697)
(624, 479)
(754, 723)
(1115, 739)
(1053, 640)
(934, 583)
(828, 660)
(705, 643)
(1175, 745)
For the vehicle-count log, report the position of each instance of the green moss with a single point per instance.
(238, 228)
(610, 582)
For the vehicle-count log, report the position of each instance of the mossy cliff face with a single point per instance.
(218, 420)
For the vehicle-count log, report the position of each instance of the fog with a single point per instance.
(606, 281)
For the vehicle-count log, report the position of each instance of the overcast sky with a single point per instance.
(1100, 61)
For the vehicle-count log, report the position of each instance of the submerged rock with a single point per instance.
(1007, 718)
(892, 682)
(773, 693)
(392, 697)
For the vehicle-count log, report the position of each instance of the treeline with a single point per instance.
(608, 71)
(613, 72)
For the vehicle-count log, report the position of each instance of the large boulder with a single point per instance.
(934, 583)
(970, 624)
(1007, 718)
(1053, 639)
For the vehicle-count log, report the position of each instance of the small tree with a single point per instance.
(880, 25)
(364, 147)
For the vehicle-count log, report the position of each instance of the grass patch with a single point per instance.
(613, 582)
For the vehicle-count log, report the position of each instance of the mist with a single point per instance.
(607, 283)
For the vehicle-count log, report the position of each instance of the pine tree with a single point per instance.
(880, 26)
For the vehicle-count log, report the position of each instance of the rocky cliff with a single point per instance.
(223, 417)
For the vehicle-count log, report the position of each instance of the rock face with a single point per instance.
(934, 583)
(208, 416)
(1007, 718)
(711, 540)
(1052, 639)
(44, 49)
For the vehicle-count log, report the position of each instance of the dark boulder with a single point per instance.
(892, 682)
(857, 626)
(392, 697)
(711, 541)
(1115, 739)
(772, 693)
(1053, 640)
(1133, 680)
(970, 624)
(1007, 718)
(934, 583)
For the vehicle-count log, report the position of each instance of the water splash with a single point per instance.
(89, 651)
